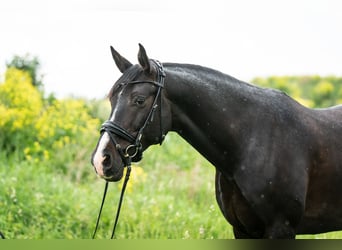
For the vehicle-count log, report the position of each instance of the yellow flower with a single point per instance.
(20, 102)
(137, 177)
(46, 155)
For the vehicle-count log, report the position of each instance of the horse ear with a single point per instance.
(122, 63)
(143, 59)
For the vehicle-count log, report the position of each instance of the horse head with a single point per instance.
(138, 118)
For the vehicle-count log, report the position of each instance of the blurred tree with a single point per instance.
(29, 64)
(324, 94)
(312, 91)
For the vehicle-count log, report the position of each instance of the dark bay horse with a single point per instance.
(278, 164)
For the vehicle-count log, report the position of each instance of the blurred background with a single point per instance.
(55, 72)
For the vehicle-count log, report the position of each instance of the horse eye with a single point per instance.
(139, 100)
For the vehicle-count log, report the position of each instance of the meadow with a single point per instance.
(170, 196)
(49, 190)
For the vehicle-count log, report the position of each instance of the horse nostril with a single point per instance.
(106, 161)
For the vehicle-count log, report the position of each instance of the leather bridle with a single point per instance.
(135, 141)
(135, 146)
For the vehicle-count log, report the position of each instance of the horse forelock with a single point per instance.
(129, 75)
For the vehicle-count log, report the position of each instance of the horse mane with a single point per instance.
(203, 71)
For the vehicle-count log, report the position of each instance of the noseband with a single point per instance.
(135, 146)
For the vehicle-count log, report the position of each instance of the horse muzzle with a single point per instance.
(106, 160)
(107, 167)
(109, 159)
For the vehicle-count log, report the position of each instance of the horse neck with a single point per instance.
(207, 108)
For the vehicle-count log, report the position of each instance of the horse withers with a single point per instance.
(278, 164)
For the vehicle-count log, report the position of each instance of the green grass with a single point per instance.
(170, 199)
(173, 198)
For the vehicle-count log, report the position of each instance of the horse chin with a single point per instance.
(113, 174)
(113, 178)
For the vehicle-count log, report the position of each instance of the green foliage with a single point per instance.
(323, 94)
(20, 103)
(28, 64)
(311, 91)
(35, 129)
(162, 201)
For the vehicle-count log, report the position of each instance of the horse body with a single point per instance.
(323, 196)
(273, 156)
(278, 164)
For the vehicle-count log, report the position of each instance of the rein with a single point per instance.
(135, 141)
(128, 172)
